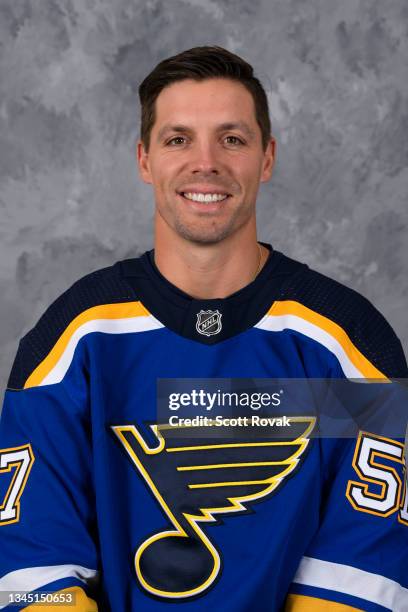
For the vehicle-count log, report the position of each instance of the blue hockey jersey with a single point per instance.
(100, 503)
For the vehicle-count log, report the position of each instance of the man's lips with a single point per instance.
(201, 201)
(202, 205)
(205, 191)
(203, 188)
(200, 194)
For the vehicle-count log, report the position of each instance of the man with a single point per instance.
(100, 502)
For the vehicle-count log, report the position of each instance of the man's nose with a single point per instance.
(205, 158)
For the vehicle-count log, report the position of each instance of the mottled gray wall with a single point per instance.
(71, 200)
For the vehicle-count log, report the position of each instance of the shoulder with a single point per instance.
(97, 295)
(348, 315)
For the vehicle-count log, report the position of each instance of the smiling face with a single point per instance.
(205, 159)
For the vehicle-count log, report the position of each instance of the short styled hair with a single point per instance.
(199, 64)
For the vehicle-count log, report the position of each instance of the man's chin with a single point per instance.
(203, 236)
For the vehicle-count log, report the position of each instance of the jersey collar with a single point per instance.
(208, 321)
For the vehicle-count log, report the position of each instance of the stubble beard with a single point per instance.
(209, 231)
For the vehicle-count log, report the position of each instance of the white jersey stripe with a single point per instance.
(289, 321)
(352, 581)
(107, 326)
(33, 578)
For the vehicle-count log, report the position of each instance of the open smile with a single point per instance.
(204, 198)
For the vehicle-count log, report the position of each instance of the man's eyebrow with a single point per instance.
(223, 127)
(237, 125)
(171, 128)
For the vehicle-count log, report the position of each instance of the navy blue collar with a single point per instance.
(208, 320)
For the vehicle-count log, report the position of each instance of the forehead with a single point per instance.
(195, 101)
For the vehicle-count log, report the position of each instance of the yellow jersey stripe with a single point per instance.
(289, 308)
(303, 603)
(82, 602)
(105, 312)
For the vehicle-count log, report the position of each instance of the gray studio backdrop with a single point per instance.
(71, 200)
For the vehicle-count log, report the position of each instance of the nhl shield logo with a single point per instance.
(208, 322)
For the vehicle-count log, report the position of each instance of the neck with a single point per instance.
(207, 271)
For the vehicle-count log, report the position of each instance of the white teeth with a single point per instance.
(205, 197)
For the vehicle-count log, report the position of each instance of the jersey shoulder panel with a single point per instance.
(99, 288)
(364, 325)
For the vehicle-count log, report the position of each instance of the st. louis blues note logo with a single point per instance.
(194, 482)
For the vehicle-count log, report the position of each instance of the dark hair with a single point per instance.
(199, 64)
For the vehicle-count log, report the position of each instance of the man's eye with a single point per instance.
(172, 140)
(235, 139)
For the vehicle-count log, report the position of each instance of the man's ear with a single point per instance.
(144, 163)
(269, 160)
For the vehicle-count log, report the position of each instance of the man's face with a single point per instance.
(205, 143)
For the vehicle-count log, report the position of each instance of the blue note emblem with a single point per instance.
(198, 481)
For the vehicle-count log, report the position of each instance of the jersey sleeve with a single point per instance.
(358, 557)
(357, 560)
(47, 507)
